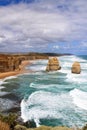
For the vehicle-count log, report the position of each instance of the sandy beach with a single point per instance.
(21, 70)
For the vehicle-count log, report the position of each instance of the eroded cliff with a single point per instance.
(11, 62)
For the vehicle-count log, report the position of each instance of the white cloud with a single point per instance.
(43, 22)
(84, 44)
(56, 47)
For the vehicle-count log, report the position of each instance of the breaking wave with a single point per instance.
(79, 98)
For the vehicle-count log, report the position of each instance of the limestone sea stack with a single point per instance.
(53, 64)
(76, 68)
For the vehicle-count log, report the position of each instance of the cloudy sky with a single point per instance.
(43, 26)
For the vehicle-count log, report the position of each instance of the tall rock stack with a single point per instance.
(53, 64)
(76, 68)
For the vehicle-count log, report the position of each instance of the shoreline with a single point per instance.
(21, 70)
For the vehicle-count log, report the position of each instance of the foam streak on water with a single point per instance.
(6, 103)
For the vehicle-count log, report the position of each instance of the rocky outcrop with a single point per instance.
(76, 68)
(53, 64)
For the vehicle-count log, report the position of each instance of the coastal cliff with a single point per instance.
(11, 62)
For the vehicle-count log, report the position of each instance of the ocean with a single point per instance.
(48, 98)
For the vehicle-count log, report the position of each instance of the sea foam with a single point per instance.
(79, 98)
(42, 105)
(10, 77)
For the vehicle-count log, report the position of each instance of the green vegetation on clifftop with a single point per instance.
(9, 122)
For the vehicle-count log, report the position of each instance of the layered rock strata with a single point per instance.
(11, 62)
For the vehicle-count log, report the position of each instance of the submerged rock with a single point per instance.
(76, 68)
(53, 64)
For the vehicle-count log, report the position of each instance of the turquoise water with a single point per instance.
(50, 98)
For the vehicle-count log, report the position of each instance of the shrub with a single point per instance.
(20, 127)
(85, 127)
(9, 119)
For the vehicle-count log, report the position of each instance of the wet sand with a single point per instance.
(21, 70)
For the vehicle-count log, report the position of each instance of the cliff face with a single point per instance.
(4, 64)
(11, 62)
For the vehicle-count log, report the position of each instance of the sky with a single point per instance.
(58, 26)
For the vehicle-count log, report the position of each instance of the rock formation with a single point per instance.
(53, 64)
(11, 62)
(76, 68)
